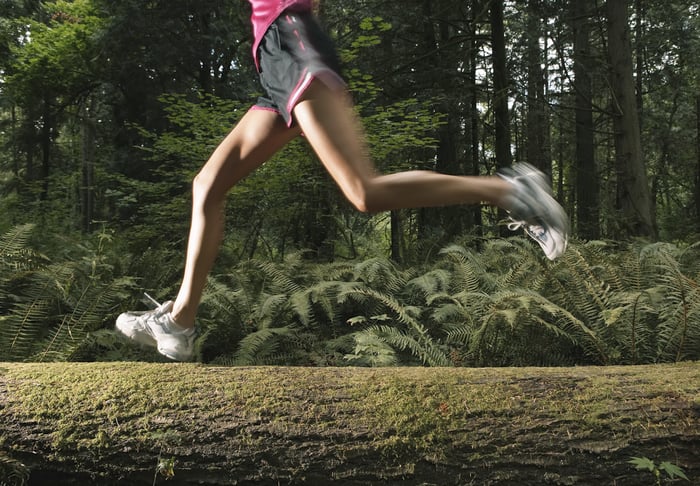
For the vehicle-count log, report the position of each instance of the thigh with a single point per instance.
(330, 125)
(254, 139)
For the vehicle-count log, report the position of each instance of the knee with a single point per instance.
(204, 193)
(364, 199)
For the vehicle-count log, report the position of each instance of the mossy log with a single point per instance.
(116, 423)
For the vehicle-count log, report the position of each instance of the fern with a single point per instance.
(52, 308)
(467, 270)
(413, 337)
(261, 346)
(14, 242)
(373, 350)
(639, 302)
(12, 472)
(679, 326)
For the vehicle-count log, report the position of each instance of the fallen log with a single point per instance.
(136, 423)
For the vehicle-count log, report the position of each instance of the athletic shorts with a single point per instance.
(294, 52)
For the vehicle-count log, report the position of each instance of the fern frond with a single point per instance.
(15, 241)
(426, 351)
(430, 283)
(13, 472)
(467, 270)
(29, 320)
(278, 278)
(87, 314)
(416, 338)
(381, 274)
(257, 347)
(271, 306)
(371, 350)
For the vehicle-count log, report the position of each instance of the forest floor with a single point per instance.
(116, 423)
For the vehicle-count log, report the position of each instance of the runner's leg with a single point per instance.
(256, 137)
(329, 123)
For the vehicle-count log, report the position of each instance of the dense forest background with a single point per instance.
(109, 107)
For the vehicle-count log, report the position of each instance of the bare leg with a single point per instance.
(257, 136)
(330, 125)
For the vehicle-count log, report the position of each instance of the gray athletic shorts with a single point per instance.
(294, 52)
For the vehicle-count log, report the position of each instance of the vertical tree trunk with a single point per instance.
(697, 173)
(639, 55)
(46, 129)
(634, 197)
(396, 230)
(587, 184)
(500, 86)
(15, 144)
(454, 219)
(472, 116)
(87, 191)
(439, 76)
(500, 94)
(537, 142)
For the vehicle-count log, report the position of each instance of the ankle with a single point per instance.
(503, 193)
(180, 321)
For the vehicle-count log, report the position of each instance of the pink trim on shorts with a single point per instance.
(327, 76)
(264, 108)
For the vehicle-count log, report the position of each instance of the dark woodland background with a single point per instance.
(109, 107)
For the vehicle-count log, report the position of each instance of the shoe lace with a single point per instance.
(150, 301)
(534, 230)
(515, 225)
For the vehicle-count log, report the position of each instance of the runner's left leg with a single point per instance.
(256, 137)
(328, 121)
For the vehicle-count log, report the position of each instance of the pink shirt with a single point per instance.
(266, 11)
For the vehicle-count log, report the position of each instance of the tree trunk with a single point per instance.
(46, 130)
(500, 93)
(115, 423)
(587, 183)
(697, 173)
(15, 141)
(439, 75)
(500, 86)
(538, 149)
(639, 56)
(472, 116)
(87, 190)
(396, 235)
(634, 197)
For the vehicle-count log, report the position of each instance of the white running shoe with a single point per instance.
(532, 207)
(156, 328)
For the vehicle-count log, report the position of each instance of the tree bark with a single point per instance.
(500, 86)
(587, 182)
(46, 140)
(634, 196)
(471, 117)
(87, 189)
(114, 423)
(500, 94)
(538, 139)
(697, 154)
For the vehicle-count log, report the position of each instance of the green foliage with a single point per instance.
(57, 55)
(50, 308)
(504, 305)
(636, 301)
(12, 472)
(671, 470)
(164, 468)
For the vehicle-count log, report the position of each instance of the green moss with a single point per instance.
(99, 406)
